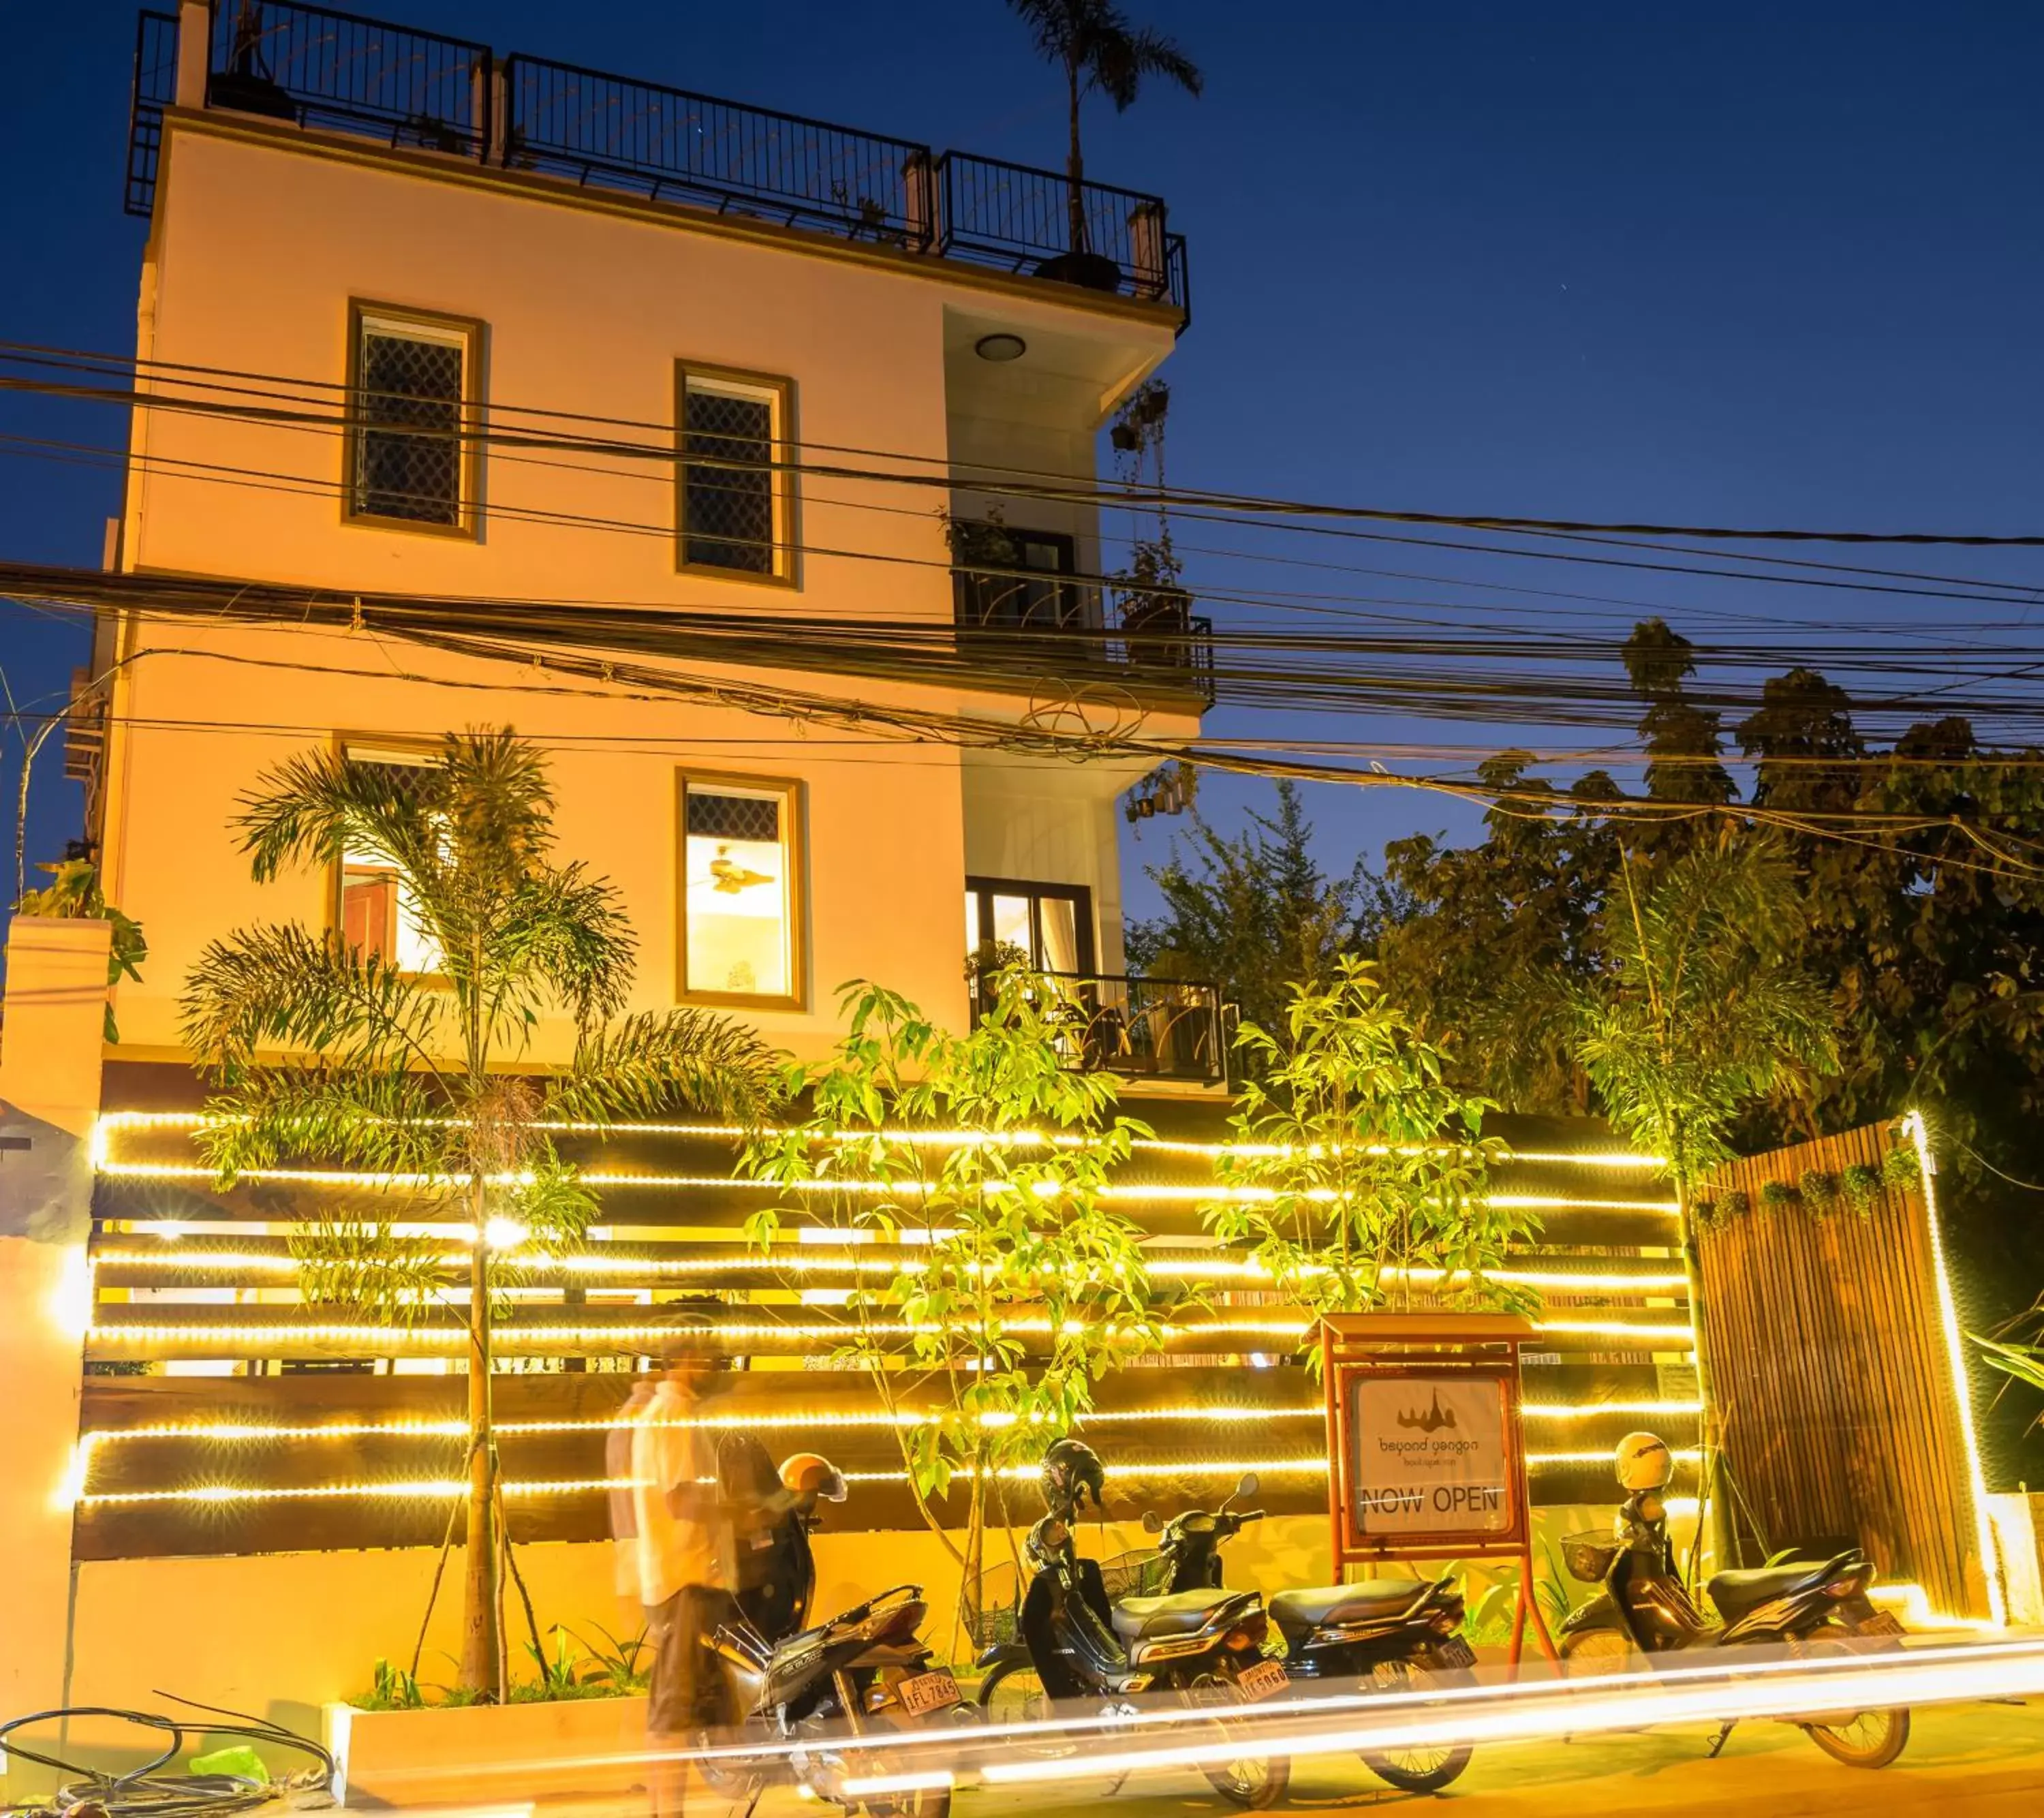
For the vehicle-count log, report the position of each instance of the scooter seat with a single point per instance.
(1736, 1593)
(1298, 1613)
(1182, 1612)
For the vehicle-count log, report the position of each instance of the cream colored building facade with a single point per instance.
(296, 268)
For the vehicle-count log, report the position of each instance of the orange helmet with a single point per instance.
(812, 1475)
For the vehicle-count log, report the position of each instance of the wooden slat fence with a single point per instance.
(1830, 1371)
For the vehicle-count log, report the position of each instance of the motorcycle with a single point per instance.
(1206, 1646)
(1398, 1634)
(862, 1673)
(1643, 1608)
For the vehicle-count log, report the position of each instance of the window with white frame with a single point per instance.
(378, 912)
(740, 921)
(409, 462)
(735, 496)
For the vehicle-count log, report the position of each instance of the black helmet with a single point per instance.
(1071, 1469)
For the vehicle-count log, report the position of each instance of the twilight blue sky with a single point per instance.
(1722, 263)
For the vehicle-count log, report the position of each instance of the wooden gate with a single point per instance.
(1830, 1367)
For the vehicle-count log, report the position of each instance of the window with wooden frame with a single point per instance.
(740, 928)
(413, 460)
(373, 909)
(734, 499)
(1049, 926)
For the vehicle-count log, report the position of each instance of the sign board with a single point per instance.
(1430, 1454)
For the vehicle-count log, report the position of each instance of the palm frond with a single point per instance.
(314, 809)
(649, 1063)
(383, 1122)
(362, 1266)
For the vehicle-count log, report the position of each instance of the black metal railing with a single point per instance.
(1021, 218)
(673, 146)
(1151, 1028)
(341, 72)
(155, 88)
(322, 68)
(1062, 621)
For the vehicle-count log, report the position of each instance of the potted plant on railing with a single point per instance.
(1152, 604)
(1097, 46)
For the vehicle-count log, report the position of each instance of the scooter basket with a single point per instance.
(1589, 1556)
(1139, 1574)
(992, 1617)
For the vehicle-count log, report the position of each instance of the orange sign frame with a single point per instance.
(1439, 1347)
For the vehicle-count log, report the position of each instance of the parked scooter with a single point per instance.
(1204, 1645)
(1398, 1633)
(866, 1671)
(1645, 1608)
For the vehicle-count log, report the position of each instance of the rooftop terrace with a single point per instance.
(337, 72)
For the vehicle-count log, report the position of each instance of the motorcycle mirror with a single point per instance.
(1249, 1486)
(1153, 1523)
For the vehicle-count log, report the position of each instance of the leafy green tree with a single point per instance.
(1702, 1009)
(1021, 1286)
(318, 1049)
(1255, 913)
(1093, 42)
(1360, 1176)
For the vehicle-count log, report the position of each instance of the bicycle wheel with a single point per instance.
(1419, 1770)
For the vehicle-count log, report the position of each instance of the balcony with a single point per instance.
(337, 72)
(1147, 1028)
(1052, 620)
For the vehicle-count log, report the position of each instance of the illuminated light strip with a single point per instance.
(593, 1262)
(112, 1121)
(517, 1335)
(1583, 1410)
(426, 1489)
(1918, 1132)
(1172, 1193)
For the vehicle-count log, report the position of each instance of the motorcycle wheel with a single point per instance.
(1859, 1738)
(1592, 1651)
(1419, 1770)
(1253, 1781)
(930, 1802)
(1013, 1693)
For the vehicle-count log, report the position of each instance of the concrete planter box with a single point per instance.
(487, 1753)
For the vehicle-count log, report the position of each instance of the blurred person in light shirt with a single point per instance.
(617, 1470)
(682, 1546)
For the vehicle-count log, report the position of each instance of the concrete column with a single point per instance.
(194, 50)
(50, 1048)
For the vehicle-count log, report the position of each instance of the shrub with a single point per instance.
(1735, 1202)
(1899, 1168)
(1861, 1186)
(1774, 1194)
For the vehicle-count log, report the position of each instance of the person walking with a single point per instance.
(683, 1545)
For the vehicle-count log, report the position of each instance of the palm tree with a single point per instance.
(1097, 46)
(1702, 1011)
(316, 1047)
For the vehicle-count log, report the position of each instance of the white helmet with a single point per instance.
(1644, 1462)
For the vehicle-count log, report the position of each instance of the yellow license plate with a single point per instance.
(927, 1692)
(1265, 1679)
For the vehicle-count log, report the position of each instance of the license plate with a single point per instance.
(1882, 1622)
(1452, 1651)
(927, 1692)
(1266, 1679)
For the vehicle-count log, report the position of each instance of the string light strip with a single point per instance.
(1174, 1193)
(516, 1336)
(169, 1256)
(439, 1488)
(111, 1121)
(239, 1432)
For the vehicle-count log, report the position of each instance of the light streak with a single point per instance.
(1918, 1132)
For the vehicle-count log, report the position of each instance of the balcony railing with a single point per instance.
(339, 72)
(1149, 1028)
(1062, 622)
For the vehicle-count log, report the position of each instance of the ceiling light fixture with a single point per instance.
(1000, 349)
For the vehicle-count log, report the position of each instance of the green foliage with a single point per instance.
(626, 1667)
(1015, 1243)
(1900, 1168)
(392, 1689)
(2025, 1362)
(1255, 914)
(1860, 1186)
(73, 894)
(318, 1052)
(1819, 1189)
(1734, 1202)
(1357, 1161)
(1775, 1195)
(1703, 1007)
(1487, 1622)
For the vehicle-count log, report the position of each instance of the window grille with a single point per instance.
(409, 392)
(732, 497)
